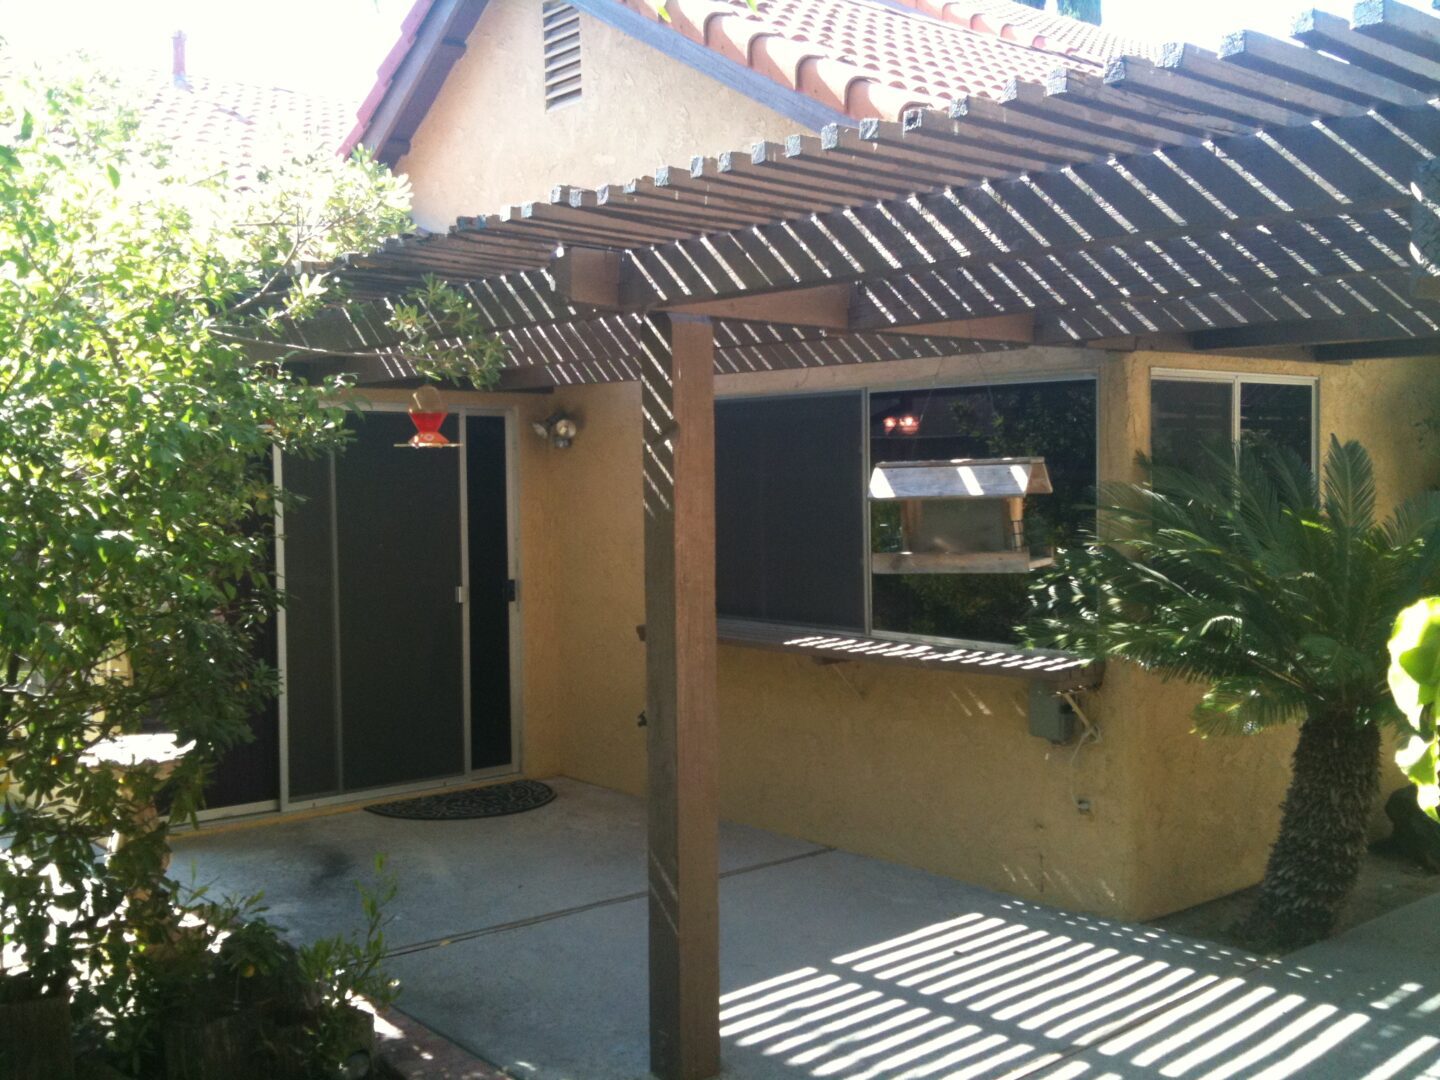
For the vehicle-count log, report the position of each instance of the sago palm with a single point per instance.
(1277, 592)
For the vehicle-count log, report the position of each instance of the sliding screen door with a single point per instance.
(376, 661)
(488, 531)
(397, 513)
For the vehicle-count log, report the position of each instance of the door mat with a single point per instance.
(514, 797)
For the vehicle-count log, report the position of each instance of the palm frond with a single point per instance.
(1253, 578)
(1417, 518)
(1240, 707)
(1349, 487)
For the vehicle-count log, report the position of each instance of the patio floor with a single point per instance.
(523, 939)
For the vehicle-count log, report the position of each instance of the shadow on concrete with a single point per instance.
(523, 940)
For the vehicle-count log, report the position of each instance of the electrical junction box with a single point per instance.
(1051, 716)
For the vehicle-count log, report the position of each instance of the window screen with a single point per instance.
(1280, 414)
(1053, 420)
(789, 510)
(1191, 419)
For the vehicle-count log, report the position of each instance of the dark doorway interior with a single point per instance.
(397, 517)
(375, 650)
(491, 592)
(250, 772)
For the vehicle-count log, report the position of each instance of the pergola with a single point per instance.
(1271, 196)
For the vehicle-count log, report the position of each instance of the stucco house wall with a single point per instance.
(935, 770)
(488, 141)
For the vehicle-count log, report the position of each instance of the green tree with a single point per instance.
(145, 320)
(1277, 592)
(1084, 10)
(1415, 685)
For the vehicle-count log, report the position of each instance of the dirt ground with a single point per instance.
(1387, 881)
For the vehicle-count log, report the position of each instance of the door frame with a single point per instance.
(512, 528)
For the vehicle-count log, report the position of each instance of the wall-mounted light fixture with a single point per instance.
(559, 429)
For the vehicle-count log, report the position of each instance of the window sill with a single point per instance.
(830, 647)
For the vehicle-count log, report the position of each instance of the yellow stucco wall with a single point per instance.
(488, 141)
(1210, 791)
(930, 769)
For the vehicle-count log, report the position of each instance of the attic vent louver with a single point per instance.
(562, 53)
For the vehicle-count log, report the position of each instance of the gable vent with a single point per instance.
(562, 53)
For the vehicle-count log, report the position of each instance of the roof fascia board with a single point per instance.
(437, 43)
(759, 88)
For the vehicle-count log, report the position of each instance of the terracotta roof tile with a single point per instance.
(1035, 28)
(213, 124)
(867, 58)
(864, 58)
(385, 73)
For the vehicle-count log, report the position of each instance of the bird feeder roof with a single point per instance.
(962, 478)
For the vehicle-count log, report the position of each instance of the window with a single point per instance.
(1194, 416)
(792, 512)
(790, 509)
(1053, 420)
(562, 53)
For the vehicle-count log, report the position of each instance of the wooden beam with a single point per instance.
(678, 403)
(1425, 231)
(589, 276)
(1397, 24)
(1131, 202)
(1363, 330)
(439, 42)
(1376, 350)
(1143, 343)
(823, 305)
(1017, 329)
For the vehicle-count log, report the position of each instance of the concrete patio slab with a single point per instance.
(834, 964)
(586, 846)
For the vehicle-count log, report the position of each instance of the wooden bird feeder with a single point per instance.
(961, 517)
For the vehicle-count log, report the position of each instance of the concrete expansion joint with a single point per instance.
(579, 909)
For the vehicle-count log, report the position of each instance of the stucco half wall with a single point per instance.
(488, 140)
(932, 769)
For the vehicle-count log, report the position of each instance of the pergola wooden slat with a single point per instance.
(1266, 195)
(1034, 231)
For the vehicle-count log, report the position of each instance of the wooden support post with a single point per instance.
(678, 398)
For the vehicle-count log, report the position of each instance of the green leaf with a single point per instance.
(1414, 679)
(27, 126)
(1415, 657)
(114, 174)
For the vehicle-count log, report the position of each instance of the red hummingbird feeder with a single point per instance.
(427, 413)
